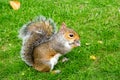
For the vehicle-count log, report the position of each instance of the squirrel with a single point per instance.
(42, 44)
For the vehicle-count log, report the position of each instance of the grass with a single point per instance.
(93, 20)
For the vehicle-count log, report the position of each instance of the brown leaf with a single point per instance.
(100, 42)
(15, 5)
(92, 57)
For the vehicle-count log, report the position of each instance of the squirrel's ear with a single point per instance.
(63, 27)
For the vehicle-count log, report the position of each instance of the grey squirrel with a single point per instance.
(42, 45)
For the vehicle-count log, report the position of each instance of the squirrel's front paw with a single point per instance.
(65, 59)
(55, 71)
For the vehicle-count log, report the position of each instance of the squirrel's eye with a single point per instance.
(71, 35)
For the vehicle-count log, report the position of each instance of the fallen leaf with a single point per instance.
(15, 5)
(92, 57)
(87, 44)
(100, 42)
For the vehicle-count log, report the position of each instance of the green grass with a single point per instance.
(93, 20)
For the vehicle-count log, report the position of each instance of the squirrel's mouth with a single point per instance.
(76, 43)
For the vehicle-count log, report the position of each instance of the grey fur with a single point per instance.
(59, 43)
(24, 32)
(25, 35)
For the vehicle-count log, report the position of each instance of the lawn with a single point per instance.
(96, 21)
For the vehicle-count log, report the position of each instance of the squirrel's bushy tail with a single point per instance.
(34, 33)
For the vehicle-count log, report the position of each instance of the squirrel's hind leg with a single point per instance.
(42, 67)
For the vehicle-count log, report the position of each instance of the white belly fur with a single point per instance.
(54, 60)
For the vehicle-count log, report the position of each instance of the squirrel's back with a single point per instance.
(34, 33)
